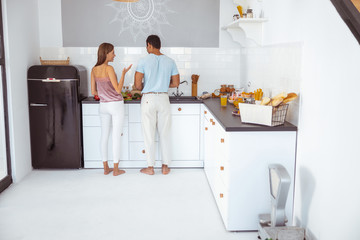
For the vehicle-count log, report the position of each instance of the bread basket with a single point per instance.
(263, 115)
(55, 62)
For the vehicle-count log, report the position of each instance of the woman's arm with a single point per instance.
(93, 84)
(111, 73)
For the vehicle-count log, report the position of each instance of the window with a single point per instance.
(5, 167)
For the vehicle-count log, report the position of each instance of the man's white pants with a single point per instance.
(111, 115)
(156, 113)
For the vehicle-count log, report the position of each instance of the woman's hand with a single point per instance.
(125, 70)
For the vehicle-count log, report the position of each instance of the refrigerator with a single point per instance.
(55, 93)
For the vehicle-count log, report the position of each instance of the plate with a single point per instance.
(236, 113)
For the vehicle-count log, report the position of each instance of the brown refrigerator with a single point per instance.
(55, 94)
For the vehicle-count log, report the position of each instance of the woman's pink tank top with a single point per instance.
(106, 90)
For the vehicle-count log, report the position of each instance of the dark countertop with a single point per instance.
(223, 115)
(185, 100)
(233, 123)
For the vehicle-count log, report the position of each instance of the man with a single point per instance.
(159, 73)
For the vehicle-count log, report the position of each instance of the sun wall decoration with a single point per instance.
(140, 17)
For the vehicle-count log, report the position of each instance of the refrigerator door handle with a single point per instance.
(38, 105)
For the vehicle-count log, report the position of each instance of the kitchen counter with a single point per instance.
(182, 99)
(229, 122)
(233, 123)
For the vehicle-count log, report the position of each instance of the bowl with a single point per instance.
(231, 101)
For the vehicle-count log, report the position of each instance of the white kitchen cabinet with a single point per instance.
(185, 142)
(185, 135)
(236, 166)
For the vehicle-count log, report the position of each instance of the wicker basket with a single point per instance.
(55, 62)
(263, 115)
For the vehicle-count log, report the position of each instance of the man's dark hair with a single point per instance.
(154, 41)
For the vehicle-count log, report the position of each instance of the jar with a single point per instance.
(223, 88)
(249, 13)
(231, 88)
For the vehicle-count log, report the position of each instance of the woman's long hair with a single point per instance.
(103, 50)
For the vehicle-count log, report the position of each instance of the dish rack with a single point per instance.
(263, 115)
(55, 62)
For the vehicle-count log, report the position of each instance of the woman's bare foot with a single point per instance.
(118, 172)
(165, 169)
(107, 171)
(148, 170)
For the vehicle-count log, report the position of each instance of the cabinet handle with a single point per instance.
(205, 112)
(143, 151)
(221, 168)
(211, 120)
(206, 129)
(221, 195)
(213, 123)
(222, 140)
(179, 109)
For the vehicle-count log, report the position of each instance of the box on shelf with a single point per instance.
(263, 115)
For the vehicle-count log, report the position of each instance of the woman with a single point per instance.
(104, 83)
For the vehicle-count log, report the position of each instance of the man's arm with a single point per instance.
(174, 81)
(138, 80)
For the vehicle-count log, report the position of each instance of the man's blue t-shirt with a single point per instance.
(157, 70)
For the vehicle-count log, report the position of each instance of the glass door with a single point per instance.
(5, 166)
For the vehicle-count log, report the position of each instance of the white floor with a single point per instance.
(85, 204)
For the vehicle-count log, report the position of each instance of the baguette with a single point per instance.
(281, 95)
(276, 101)
(290, 97)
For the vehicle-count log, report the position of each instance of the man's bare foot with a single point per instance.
(118, 172)
(165, 169)
(148, 170)
(107, 171)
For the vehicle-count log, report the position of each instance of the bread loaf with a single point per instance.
(265, 101)
(290, 97)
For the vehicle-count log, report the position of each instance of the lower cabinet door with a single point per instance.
(91, 140)
(137, 151)
(185, 145)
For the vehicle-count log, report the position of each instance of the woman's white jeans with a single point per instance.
(156, 112)
(111, 115)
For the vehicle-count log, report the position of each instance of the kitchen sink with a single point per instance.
(184, 99)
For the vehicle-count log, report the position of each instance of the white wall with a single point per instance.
(327, 195)
(215, 66)
(21, 31)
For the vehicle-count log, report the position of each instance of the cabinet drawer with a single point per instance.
(93, 109)
(94, 121)
(137, 151)
(91, 121)
(222, 199)
(185, 109)
(222, 169)
(90, 109)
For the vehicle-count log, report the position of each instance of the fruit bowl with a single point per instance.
(231, 101)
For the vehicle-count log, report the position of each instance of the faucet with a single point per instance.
(178, 94)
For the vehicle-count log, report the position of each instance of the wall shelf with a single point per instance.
(251, 27)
